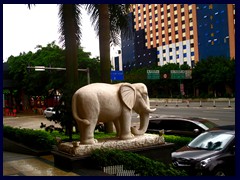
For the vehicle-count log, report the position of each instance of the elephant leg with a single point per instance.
(117, 126)
(125, 124)
(87, 133)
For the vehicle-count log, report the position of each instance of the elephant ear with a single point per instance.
(128, 95)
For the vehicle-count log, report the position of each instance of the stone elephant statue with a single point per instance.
(102, 102)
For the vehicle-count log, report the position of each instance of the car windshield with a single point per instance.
(211, 141)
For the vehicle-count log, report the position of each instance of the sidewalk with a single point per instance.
(15, 164)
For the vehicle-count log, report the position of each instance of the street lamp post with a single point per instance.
(43, 68)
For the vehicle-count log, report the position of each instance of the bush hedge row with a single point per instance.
(35, 139)
(132, 161)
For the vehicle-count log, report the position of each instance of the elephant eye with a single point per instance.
(145, 95)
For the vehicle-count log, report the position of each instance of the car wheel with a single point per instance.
(219, 172)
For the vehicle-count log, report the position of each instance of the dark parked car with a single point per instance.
(180, 126)
(212, 153)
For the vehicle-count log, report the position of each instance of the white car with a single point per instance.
(49, 112)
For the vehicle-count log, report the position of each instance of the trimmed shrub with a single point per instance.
(132, 161)
(36, 139)
(179, 141)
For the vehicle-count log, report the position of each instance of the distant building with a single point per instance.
(116, 60)
(178, 33)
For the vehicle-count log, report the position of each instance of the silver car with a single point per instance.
(49, 112)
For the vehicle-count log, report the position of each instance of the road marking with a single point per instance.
(217, 112)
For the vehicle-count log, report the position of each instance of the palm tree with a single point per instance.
(70, 36)
(70, 31)
(108, 20)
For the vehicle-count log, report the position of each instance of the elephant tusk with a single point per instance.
(151, 110)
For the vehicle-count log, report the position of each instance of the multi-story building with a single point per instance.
(178, 33)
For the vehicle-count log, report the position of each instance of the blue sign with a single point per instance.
(117, 75)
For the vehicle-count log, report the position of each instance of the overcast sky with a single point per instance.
(24, 29)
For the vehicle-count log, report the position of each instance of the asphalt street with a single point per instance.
(221, 113)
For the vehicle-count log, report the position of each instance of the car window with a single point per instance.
(187, 126)
(178, 125)
(154, 124)
(211, 141)
(167, 124)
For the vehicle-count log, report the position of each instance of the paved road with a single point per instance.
(221, 114)
(27, 121)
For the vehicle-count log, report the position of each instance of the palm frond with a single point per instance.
(118, 21)
(29, 5)
(118, 14)
(72, 11)
(93, 11)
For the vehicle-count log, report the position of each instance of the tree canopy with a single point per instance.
(213, 77)
(51, 55)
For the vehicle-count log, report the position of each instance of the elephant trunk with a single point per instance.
(144, 121)
(144, 117)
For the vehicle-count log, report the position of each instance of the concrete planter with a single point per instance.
(12, 146)
(161, 152)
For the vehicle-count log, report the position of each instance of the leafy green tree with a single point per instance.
(214, 75)
(164, 87)
(39, 83)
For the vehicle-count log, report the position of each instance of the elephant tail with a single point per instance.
(75, 114)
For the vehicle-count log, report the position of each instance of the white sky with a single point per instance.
(24, 29)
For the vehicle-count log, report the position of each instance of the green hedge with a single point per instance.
(36, 139)
(179, 141)
(132, 161)
(43, 140)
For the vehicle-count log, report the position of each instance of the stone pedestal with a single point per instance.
(71, 155)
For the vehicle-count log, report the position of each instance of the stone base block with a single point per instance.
(72, 155)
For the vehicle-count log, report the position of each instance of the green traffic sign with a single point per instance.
(177, 74)
(153, 74)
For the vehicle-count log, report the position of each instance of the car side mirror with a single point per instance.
(196, 131)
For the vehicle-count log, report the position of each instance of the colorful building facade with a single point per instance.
(178, 33)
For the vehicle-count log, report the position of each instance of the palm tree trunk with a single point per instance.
(70, 43)
(104, 43)
(71, 46)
